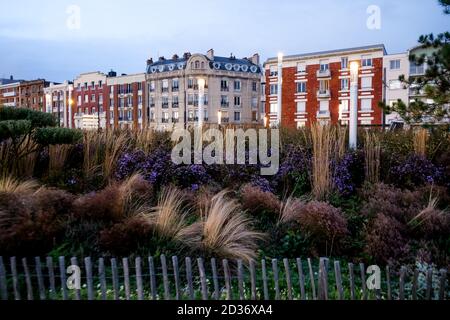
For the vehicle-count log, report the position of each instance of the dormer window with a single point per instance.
(197, 64)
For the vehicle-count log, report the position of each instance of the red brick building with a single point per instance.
(31, 94)
(316, 87)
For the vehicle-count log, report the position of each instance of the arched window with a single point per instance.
(197, 64)
(203, 65)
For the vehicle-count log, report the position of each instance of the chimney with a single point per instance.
(11, 78)
(175, 57)
(186, 55)
(162, 58)
(149, 61)
(255, 59)
(210, 54)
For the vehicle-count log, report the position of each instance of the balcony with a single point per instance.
(152, 105)
(175, 120)
(323, 94)
(164, 90)
(175, 89)
(165, 105)
(324, 73)
(9, 94)
(225, 120)
(323, 114)
(164, 120)
(224, 104)
(175, 105)
(224, 89)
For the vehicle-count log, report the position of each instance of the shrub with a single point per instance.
(257, 201)
(191, 176)
(349, 173)
(9, 184)
(223, 232)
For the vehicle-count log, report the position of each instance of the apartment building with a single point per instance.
(9, 92)
(316, 86)
(126, 101)
(31, 94)
(90, 95)
(395, 65)
(58, 101)
(227, 89)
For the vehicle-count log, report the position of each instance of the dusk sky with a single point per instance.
(38, 38)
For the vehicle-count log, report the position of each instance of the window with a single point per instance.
(165, 117)
(140, 100)
(93, 98)
(416, 69)
(224, 101)
(100, 99)
(152, 86)
(344, 84)
(130, 101)
(139, 86)
(190, 99)
(273, 89)
(92, 84)
(301, 106)
(395, 64)
(237, 101)
(175, 102)
(100, 84)
(324, 86)
(151, 102)
(175, 84)
(344, 62)
(273, 71)
(395, 84)
(366, 61)
(85, 85)
(324, 106)
(366, 82)
(237, 85)
(254, 86)
(366, 104)
(175, 115)
(121, 102)
(86, 98)
(273, 107)
(111, 102)
(165, 86)
(197, 64)
(324, 66)
(140, 114)
(129, 89)
(301, 67)
(237, 116)
(343, 105)
(190, 83)
(301, 87)
(224, 85)
(254, 102)
(111, 115)
(79, 100)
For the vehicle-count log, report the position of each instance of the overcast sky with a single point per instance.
(43, 39)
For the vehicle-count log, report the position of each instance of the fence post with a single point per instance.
(402, 283)
(90, 284)
(311, 276)
(13, 263)
(275, 278)
(3, 286)
(253, 278)
(151, 268)
(415, 284)
(323, 278)
(363, 280)
(201, 269)
(337, 272)
(74, 262)
(429, 283)
(264, 277)
(115, 278)
(301, 279)
(51, 277)
(388, 283)
(165, 277)
(102, 276)
(126, 277)
(351, 276)
(215, 279)
(176, 276)
(241, 279)
(288, 278)
(40, 278)
(442, 283)
(189, 278)
(62, 275)
(27, 279)
(227, 275)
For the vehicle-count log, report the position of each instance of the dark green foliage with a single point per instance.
(13, 129)
(54, 136)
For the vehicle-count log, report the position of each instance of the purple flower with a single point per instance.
(416, 170)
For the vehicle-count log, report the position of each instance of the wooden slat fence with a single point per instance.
(187, 279)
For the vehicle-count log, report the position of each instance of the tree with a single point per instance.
(25, 131)
(434, 84)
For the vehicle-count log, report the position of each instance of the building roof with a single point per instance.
(216, 63)
(9, 81)
(329, 53)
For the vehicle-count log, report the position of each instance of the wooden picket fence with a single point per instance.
(108, 279)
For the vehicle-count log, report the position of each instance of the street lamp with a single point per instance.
(219, 117)
(280, 86)
(353, 122)
(201, 97)
(69, 121)
(266, 121)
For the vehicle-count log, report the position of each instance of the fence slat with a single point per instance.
(74, 262)
(102, 278)
(176, 277)
(442, 282)
(3, 285)
(89, 279)
(51, 277)
(151, 268)
(241, 280)
(264, 277)
(115, 278)
(253, 279)
(227, 276)
(351, 277)
(27, 279)
(401, 292)
(323, 279)
(429, 283)
(40, 278)
(189, 278)
(311, 277)
(201, 269)
(165, 277)
(301, 279)
(362, 270)
(13, 263)
(388, 283)
(215, 276)
(62, 276)
(288, 278)
(338, 276)
(415, 284)
(139, 287)
(275, 278)
(126, 278)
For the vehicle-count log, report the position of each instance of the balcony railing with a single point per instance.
(225, 120)
(175, 105)
(224, 89)
(323, 73)
(224, 104)
(175, 120)
(175, 89)
(163, 120)
(323, 114)
(165, 105)
(323, 93)
(164, 89)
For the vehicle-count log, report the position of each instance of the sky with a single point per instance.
(57, 40)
